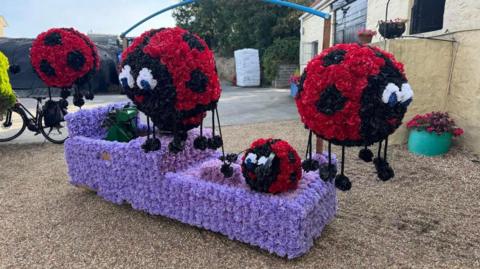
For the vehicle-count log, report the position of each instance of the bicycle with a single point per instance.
(19, 118)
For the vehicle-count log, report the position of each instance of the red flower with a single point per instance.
(458, 132)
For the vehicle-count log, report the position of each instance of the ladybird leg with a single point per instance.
(200, 142)
(342, 182)
(384, 171)
(145, 145)
(365, 154)
(328, 171)
(155, 144)
(309, 164)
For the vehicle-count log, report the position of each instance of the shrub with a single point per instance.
(282, 51)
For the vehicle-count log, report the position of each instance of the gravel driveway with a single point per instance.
(428, 216)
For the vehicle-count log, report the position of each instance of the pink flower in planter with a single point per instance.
(458, 132)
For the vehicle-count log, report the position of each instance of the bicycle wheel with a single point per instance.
(56, 135)
(12, 125)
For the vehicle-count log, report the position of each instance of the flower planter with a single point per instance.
(365, 39)
(189, 187)
(391, 30)
(293, 89)
(429, 144)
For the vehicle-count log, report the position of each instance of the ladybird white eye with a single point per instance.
(251, 158)
(263, 160)
(391, 94)
(126, 78)
(145, 80)
(406, 93)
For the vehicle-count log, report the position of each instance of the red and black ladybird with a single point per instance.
(63, 57)
(354, 95)
(170, 75)
(271, 165)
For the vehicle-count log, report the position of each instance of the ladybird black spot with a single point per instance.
(53, 39)
(198, 81)
(300, 83)
(293, 177)
(75, 60)
(46, 68)
(334, 57)
(193, 41)
(331, 100)
(291, 156)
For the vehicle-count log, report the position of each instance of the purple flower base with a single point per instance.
(190, 188)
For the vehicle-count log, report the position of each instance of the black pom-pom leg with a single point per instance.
(153, 143)
(309, 164)
(384, 170)
(342, 182)
(201, 141)
(328, 171)
(366, 154)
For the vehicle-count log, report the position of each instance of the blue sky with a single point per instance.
(28, 18)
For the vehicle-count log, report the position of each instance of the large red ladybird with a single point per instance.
(170, 75)
(271, 165)
(354, 95)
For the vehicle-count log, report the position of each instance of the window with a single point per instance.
(350, 17)
(314, 48)
(427, 15)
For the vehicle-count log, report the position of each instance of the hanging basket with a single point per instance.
(390, 30)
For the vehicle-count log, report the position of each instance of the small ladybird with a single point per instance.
(271, 165)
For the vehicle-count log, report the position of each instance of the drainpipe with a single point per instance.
(386, 17)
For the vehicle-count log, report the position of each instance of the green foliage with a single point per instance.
(282, 51)
(7, 96)
(228, 25)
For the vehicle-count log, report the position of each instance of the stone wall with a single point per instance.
(285, 71)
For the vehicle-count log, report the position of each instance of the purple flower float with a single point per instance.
(189, 187)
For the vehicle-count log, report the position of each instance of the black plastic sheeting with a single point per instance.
(17, 51)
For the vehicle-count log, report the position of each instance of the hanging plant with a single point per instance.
(392, 28)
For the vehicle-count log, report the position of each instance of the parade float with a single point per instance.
(170, 165)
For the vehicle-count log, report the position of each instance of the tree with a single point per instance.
(228, 25)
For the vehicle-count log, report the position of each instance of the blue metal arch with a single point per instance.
(187, 2)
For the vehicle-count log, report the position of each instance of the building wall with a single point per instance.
(459, 15)
(463, 101)
(311, 31)
(427, 62)
(427, 65)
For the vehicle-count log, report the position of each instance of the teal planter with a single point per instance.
(429, 144)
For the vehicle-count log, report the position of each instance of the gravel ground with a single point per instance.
(428, 216)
